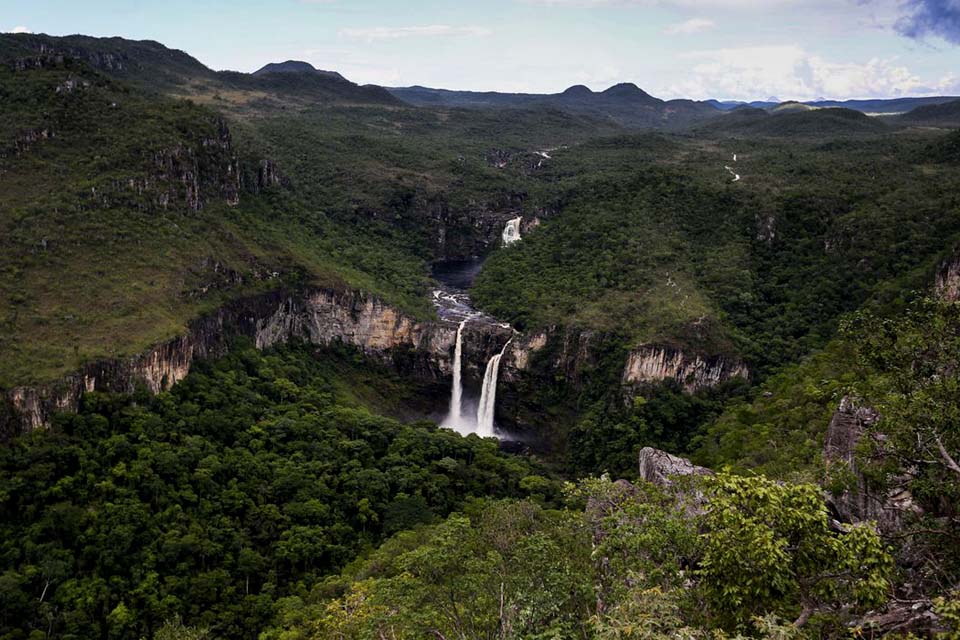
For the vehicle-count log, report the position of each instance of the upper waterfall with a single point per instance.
(511, 232)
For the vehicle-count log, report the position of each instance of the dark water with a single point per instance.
(457, 274)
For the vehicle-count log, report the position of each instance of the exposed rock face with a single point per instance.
(860, 502)
(498, 158)
(650, 364)
(323, 317)
(766, 228)
(571, 352)
(268, 175)
(661, 468)
(196, 172)
(29, 138)
(565, 361)
(319, 316)
(678, 476)
(947, 284)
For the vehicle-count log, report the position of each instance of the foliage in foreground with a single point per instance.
(629, 562)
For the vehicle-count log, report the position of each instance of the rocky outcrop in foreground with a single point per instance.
(662, 469)
(947, 282)
(859, 502)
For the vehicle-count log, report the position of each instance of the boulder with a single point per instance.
(662, 469)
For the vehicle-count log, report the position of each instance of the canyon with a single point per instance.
(422, 349)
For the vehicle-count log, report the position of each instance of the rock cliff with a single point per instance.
(651, 363)
(555, 367)
(947, 282)
(317, 316)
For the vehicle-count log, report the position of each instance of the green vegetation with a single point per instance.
(516, 570)
(247, 483)
(267, 495)
(140, 237)
(653, 246)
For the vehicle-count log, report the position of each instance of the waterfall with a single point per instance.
(488, 395)
(456, 393)
(511, 232)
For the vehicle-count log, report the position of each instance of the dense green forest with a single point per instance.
(251, 480)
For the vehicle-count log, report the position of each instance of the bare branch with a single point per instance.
(947, 458)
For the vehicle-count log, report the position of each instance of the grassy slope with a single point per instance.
(92, 268)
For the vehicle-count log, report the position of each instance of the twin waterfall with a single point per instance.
(482, 425)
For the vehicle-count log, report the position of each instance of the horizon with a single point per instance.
(727, 50)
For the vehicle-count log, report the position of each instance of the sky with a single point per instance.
(725, 49)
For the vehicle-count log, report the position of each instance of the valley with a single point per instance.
(283, 356)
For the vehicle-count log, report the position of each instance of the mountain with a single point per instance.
(154, 67)
(729, 105)
(792, 106)
(625, 104)
(226, 343)
(578, 91)
(180, 189)
(295, 66)
(627, 91)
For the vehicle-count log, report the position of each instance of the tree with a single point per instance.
(768, 548)
(911, 377)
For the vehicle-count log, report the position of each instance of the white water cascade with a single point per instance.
(456, 393)
(488, 395)
(511, 232)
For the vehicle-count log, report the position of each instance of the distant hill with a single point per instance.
(945, 114)
(625, 104)
(873, 107)
(830, 122)
(730, 105)
(894, 105)
(142, 62)
(152, 66)
(792, 106)
(295, 66)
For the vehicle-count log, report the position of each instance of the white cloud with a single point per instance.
(790, 72)
(687, 4)
(20, 29)
(693, 25)
(425, 31)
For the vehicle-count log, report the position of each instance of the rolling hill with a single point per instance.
(795, 120)
(942, 115)
(625, 104)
